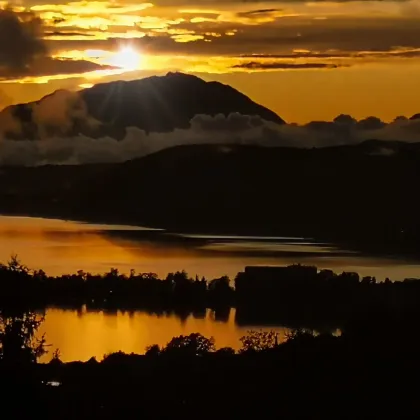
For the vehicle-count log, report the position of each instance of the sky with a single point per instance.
(304, 60)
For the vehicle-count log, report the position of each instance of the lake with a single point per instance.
(60, 247)
(82, 334)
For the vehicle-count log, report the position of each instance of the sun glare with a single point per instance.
(127, 58)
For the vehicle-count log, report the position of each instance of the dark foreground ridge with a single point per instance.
(349, 194)
(296, 296)
(364, 372)
(153, 104)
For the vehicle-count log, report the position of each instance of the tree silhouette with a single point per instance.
(299, 334)
(15, 265)
(221, 284)
(56, 358)
(18, 341)
(191, 345)
(153, 350)
(256, 341)
(225, 351)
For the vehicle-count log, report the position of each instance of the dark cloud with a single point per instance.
(47, 66)
(324, 1)
(255, 65)
(304, 1)
(201, 14)
(213, 3)
(258, 13)
(66, 33)
(371, 123)
(24, 53)
(335, 37)
(300, 54)
(58, 20)
(402, 53)
(20, 39)
(346, 35)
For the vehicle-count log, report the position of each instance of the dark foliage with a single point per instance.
(308, 376)
(296, 296)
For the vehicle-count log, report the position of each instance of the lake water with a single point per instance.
(60, 247)
(80, 334)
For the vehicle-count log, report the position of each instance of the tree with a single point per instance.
(221, 285)
(256, 341)
(191, 345)
(18, 341)
(225, 351)
(15, 265)
(14, 271)
(299, 335)
(153, 350)
(56, 358)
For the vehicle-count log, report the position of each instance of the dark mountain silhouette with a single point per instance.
(164, 103)
(154, 104)
(346, 193)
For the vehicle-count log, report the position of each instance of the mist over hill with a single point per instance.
(234, 129)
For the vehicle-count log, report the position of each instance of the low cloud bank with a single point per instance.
(234, 129)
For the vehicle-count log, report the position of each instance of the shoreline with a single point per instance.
(129, 228)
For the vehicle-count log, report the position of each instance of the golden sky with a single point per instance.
(305, 60)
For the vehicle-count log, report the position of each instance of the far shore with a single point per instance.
(126, 228)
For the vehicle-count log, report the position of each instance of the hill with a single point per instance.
(349, 193)
(153, 104)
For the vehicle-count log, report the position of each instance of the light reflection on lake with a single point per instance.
(62, 247)
(80, 335)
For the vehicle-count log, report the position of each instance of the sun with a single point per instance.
(127, 58)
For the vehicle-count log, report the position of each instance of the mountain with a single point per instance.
(153, 104)
(168, 102)
(355, 194)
